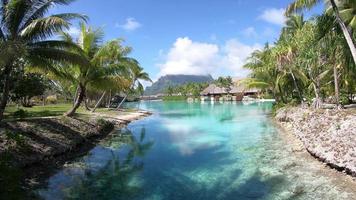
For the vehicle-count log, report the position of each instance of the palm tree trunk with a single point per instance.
(345, 31)
(81, 97)
(76, 95)
(86, 105)
(109, 100)
(281, 93)
(336, 83)
(99, 102)
(5, 91)
(296, 86)
(317, 102)
(122, 101)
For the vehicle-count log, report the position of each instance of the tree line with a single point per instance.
(37, 52)
(313, 61)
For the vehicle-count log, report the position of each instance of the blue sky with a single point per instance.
(187, 36)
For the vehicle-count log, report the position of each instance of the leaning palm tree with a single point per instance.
(347, 10)
(25, 33)
(137, 74)
(101, 70)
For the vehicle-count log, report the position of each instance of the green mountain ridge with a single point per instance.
(174, 80)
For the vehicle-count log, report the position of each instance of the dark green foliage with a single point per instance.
(10, 177)
(28, 86)
(20, 113)
(174, 98)
(181, 92)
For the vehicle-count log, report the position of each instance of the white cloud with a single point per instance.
(250, 32)
(188, 57)
(235, 55)
(274, 16)
(73, 31)
(131, 24)
(197, 58)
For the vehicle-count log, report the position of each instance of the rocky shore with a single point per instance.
(31, 149)
(329, 135)
(27, 142)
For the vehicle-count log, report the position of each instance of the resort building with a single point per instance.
(235, 93)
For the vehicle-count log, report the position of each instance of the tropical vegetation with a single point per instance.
(312, 61)
(39, 58)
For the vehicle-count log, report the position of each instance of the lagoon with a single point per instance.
(196, 151)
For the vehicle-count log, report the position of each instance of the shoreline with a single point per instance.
(38, 147)
(326, 135)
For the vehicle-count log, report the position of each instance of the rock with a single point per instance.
(329, 135)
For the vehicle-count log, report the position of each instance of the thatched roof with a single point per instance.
(213, 89)
(237, 88)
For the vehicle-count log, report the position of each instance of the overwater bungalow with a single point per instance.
(236, 93)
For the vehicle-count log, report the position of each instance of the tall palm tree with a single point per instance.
(298, 5)
(101, 71)
(136, 75)
(25, 33)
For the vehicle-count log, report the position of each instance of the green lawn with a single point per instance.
(52, 110)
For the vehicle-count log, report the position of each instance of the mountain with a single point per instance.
(174, 80)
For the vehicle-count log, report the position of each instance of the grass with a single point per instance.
(52, 110)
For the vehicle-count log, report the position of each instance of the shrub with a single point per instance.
(104, 125)
(20, 114)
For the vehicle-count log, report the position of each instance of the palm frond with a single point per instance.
(299, 5)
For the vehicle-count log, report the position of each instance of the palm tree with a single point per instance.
(298, 5)
(24, 36)
(101, 70)
(137, 74)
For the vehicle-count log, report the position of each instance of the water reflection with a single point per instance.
(200, 151)
(94, 179)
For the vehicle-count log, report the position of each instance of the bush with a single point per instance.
(344, 99)
(20, 114)
(104, 125)
(52, 99)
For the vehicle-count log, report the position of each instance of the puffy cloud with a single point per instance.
(235, 55)
(188, 57)
(197, 58)
(274, 16)
(131, 24)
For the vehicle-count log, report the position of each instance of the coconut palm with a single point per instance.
(347, 10)
(101, 71)
(136, 75)
(25, 33)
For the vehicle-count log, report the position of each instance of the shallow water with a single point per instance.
(196, 151)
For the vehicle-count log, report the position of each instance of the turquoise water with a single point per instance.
(193, 151)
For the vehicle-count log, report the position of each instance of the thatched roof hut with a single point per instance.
(237, 88)
(213, 89)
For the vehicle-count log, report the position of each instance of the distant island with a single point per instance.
(175, 80)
